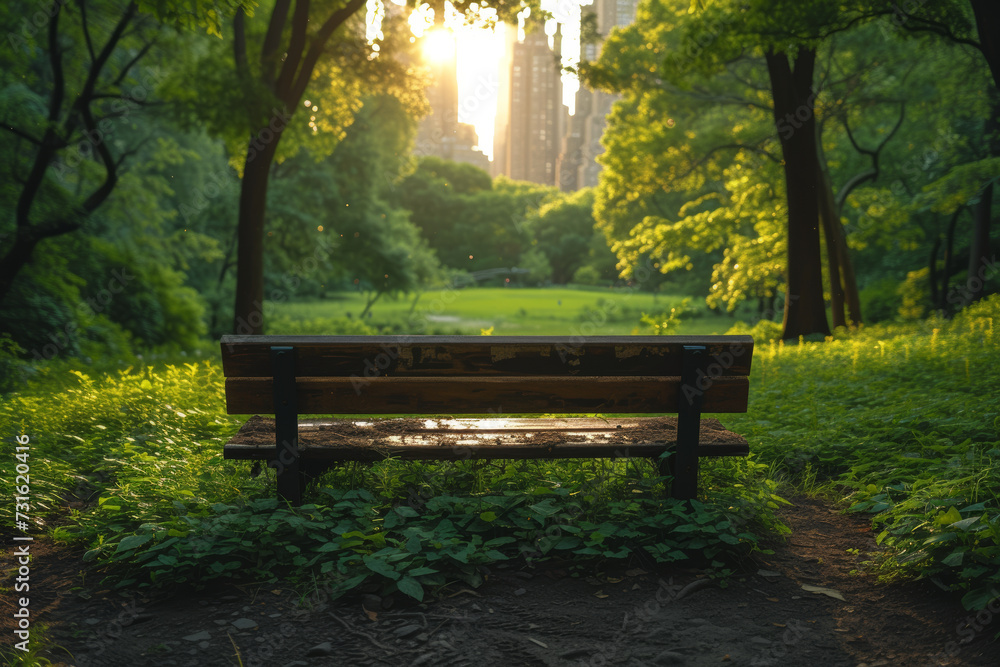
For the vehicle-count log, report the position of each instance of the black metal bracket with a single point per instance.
(684, 462)
(286, 425)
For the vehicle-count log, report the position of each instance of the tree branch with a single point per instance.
(296, 45)
(86, 28)
(240, 43)
(873, 173)
(104, 190)
(737, 146)
(272, 40)
(55, 60)
(940, 29)
(130, 64)
(87, 92)
(132, 151)
(22, 134)
(319, 44)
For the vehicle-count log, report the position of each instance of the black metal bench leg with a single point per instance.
(684, 462)
(286, 425)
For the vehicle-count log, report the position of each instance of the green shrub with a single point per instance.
(318, 326)
(589, 275)
(764, 331)
(880, 301)
(915, 294)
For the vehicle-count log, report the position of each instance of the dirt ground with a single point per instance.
(623, 615)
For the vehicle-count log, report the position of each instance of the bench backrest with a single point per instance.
(488, 374)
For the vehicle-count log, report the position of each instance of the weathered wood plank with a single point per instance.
(461, 439)
(400, 356)
(482, 395)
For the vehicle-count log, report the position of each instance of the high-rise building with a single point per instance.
(578, 166)
(530, 115)
(440, 134)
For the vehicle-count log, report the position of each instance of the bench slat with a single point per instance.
(480, 395)
(347, 356)
(460, 439)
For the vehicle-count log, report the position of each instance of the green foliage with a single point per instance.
(317, 326)
(538, 266)
(12, 369)
(898, 419)
(563, 229)
(692, 167)
(143, 451)
(880, 301)
(914, 294)
(470, 222)
(891, 416)
(764, 331)
(667, 322)
(348, 537)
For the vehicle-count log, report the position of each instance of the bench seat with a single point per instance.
(461, 439)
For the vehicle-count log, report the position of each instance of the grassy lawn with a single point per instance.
(514, 311)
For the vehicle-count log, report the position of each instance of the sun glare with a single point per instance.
(439, 45)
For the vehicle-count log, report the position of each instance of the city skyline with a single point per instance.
(495, 83)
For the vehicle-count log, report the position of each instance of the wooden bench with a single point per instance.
(504, 377)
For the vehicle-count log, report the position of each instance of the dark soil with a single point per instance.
(619, 615)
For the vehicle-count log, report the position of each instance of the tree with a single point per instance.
(472, 223)
(67, 110)
(714, 37)
(956, 21)
(290, 57)
(562, 229)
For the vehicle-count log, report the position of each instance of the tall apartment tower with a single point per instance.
(578, 166)
(440, 134)
(530, 121)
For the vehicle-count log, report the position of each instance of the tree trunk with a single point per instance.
(936, 298)
(248, 318)
(368, 306)
(987, 13)
(949, 263)
(851, 295)
(828, 216)
(979, 249)
(830, 209)
(794, 116)
(980, 246)
(298, 59)
(15, 260)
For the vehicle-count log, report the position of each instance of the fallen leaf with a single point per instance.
(636, 587)
(600, 594)
(774, 599)
(469, 591)
(615, 580)
(277, 591)
(635, 572)
(372, 616)
(542, 644)
(823, 591)
(726, 658)
(779, 625)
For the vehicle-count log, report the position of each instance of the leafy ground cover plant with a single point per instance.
(137, 454)
(901, 421)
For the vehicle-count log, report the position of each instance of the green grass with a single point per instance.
(898, 421)
(508, 311)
